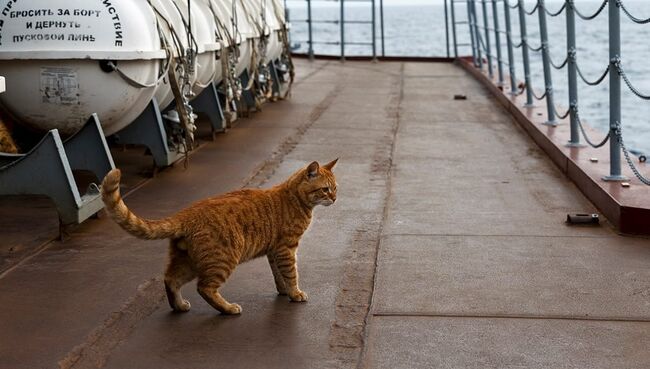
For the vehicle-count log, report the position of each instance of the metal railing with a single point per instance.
(342, 22)
(376, 41)
(487, 31)
(482, 45)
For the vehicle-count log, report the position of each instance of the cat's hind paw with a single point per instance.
(298, 296)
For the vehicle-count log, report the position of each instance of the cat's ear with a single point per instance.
(312, 169)
(329, 166)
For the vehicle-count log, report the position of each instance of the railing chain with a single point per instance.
(561, 116)
(621, 72)
(561, 65)
(619, 134)
(584, 133)
(634, 19)
(594, 83)
(516, 46)
(511, 6)
(556, 13)
(540, 97)
(535, 49)
(590, 17)
(533, 10)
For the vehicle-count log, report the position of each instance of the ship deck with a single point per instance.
(447, 247)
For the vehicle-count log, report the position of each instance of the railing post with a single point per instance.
(548, 80)
(309, 30)
(488, 49)
(614, 93)
(511, 55)
(453, 29)
(573, 74)
(472, 12)
(374, 31)
(497, 40)
(473, 40)
(381, 24)
(342, 30)
(524, 51)
(447, 28)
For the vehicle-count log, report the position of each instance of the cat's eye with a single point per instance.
(326, 189)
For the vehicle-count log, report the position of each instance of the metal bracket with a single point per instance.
(208, 103)
(231, 116)
(248, 96)
(149, 130)
(279, 81)
(47, 170)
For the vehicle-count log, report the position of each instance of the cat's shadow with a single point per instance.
(277, 308)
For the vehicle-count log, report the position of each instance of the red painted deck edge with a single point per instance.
(628, 209)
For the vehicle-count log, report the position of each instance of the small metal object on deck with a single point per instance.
(642, 156)
(460, 97)
(582, 219)
(593, 160)
(625, 184)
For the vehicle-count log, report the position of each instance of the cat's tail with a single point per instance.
(139, 227)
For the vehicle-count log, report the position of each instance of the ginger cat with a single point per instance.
(211, 237)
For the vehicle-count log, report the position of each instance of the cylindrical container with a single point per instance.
(249, 34)
(175, 33)
(204, 35)
(59, 59)
(268, 16)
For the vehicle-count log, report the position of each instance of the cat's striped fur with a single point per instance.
(211, 237)
(7, 143)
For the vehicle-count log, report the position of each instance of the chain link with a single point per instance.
(561, 116)
(516, 46)
(621, 72)
(589, 17)
(558, 67)
(556, 13)
(634, 19)
(539, 97)
(533, 10)
(512, 6)
(584, 133)
(596, 82)
(619, 134)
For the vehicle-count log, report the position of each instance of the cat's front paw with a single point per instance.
(184, 307)
(298, 296)
(232, 309)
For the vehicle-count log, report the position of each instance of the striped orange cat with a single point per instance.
(211, 237)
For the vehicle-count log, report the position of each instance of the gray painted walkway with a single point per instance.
(447, 249)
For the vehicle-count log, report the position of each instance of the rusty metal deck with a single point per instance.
(447, 248)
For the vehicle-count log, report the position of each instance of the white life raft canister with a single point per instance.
(56, 56)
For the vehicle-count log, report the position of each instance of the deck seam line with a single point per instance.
(265, 171)
(312, 73)
(389, 235)
(514, 316)
(361, 363)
